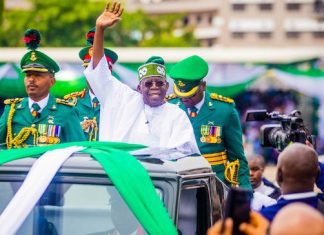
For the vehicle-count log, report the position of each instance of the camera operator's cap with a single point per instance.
(35, 60)
(86, 53)
(153, 67)
(187, 75)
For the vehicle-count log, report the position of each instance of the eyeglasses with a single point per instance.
(149, 84)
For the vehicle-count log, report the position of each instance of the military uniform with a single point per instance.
(88, 113)
(57, 123)
(89, 110)
(216, 126)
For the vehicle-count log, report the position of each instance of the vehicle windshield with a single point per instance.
(75, 208)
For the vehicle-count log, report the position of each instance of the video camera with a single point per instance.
(290, 129)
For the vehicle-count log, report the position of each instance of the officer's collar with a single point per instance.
(42, 103)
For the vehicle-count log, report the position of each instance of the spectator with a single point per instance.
(298, 219)
(258, 225)
(259, 183)
(296, 175)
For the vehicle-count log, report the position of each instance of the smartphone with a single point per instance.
(237, 207)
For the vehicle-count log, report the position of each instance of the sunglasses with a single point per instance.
(149, 84)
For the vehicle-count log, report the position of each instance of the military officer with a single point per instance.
(214, 119)
(40, 118)
(87, 103)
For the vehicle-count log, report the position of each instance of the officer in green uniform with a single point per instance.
(87, 103)
(40, 118)
(215, 121)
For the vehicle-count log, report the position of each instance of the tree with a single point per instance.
(65, 23)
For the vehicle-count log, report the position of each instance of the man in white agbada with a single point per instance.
(141, 116)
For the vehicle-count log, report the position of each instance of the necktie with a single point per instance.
(95, 102)
(35, 110)
(193, 112)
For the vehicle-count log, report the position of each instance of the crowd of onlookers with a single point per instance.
(297, 208)
(289, 205)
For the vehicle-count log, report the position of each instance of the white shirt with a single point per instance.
(125, 118)
(261, 200)
(42, 103)
(198, 106)
(294, 196)
(264, 189)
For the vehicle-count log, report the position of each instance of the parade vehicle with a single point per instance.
(82, 199)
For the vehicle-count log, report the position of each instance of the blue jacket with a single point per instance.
(311, 199)
(320, 180)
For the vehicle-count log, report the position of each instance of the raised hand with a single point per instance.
(110, 16)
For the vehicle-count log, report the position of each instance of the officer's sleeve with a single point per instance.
(72, 130)
(3, 127)
(234, 147)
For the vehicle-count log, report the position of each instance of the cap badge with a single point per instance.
(181, 84)
(33, 56)
(90, 51)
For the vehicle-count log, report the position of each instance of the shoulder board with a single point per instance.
(80, 94)
(215, 96)
(69, 102)
(171, 96)
(13, 101)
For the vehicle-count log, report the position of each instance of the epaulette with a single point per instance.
(171, 96)
(13, 101)
(215, 96)
(69, 102)
(80, 94)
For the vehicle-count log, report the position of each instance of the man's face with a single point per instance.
(256, 172)
(191, 101)
(38, 84)
(153, 90)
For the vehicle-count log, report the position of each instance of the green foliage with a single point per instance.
(65, 24)
(1, 11)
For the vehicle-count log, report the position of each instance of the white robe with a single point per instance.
(125, 118)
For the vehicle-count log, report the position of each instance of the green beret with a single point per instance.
(153, 67)
(35, 60)
(187, 75)
(86, 53)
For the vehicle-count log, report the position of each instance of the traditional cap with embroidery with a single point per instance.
(86, 53)
(35, 60)
(187, 75)
(153, 67)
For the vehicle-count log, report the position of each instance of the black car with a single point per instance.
(81, 199)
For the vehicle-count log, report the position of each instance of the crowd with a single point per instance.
(191, 120)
